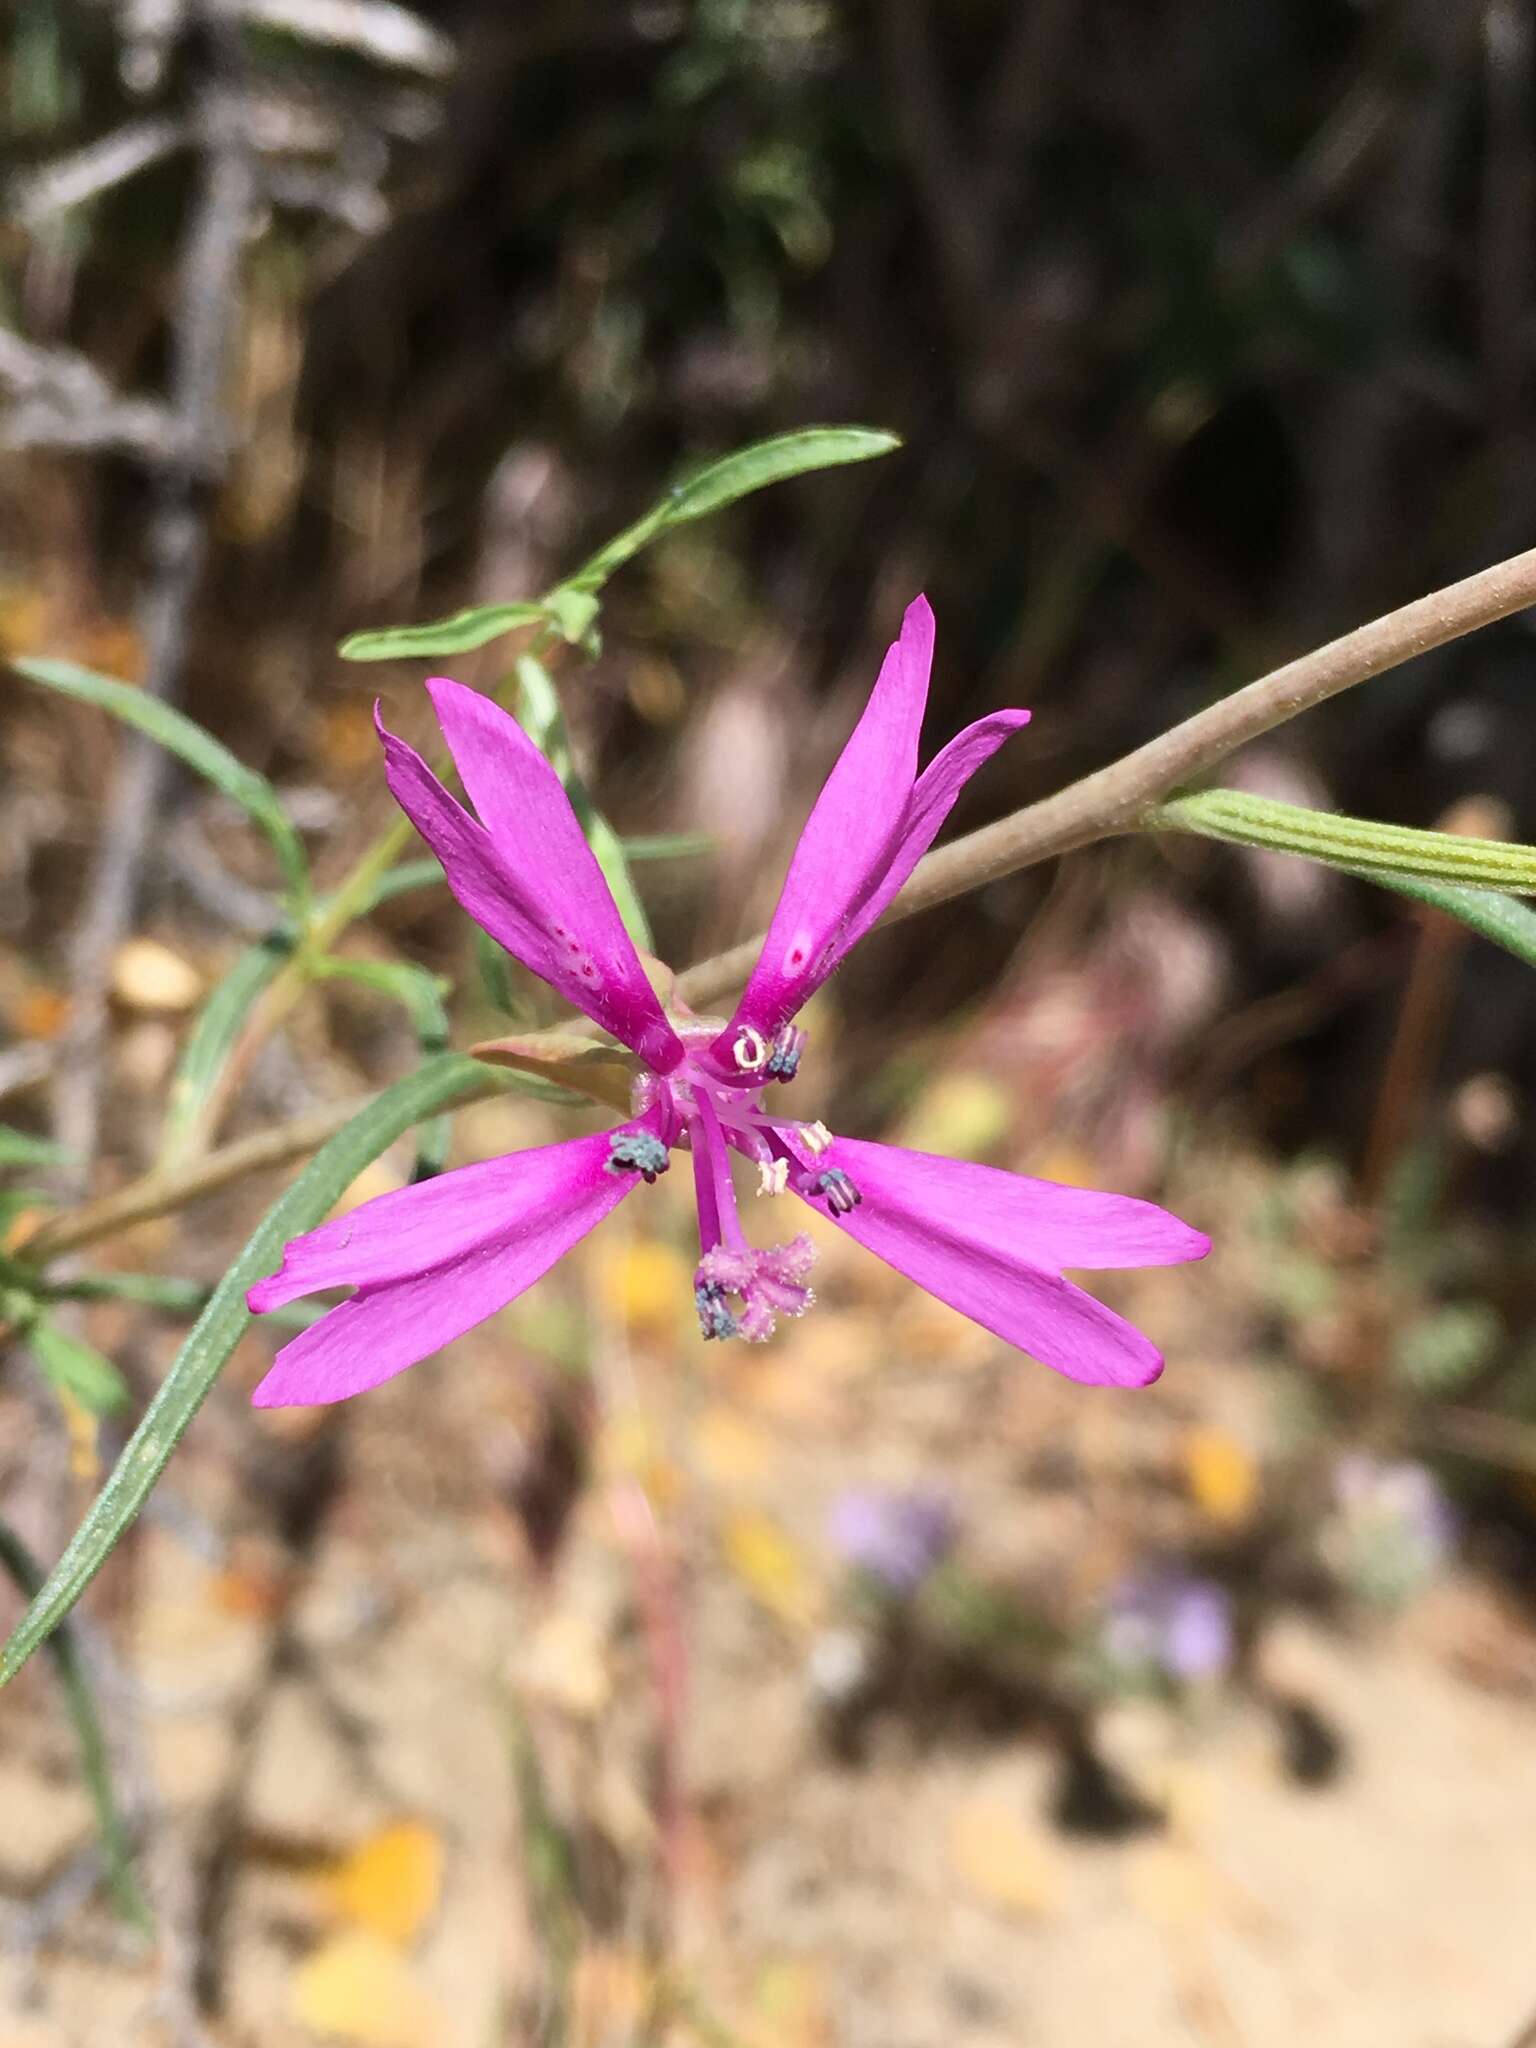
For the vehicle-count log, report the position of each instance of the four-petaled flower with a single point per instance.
(429, 1262)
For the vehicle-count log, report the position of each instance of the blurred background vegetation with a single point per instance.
(1210, 332)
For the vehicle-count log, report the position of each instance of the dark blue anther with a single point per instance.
(715, 1319)
(841, 1194)
(784, 1059)
(636, 1152)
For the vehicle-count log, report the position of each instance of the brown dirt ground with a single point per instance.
(333, 1622)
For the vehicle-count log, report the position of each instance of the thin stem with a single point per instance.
(1113, 801)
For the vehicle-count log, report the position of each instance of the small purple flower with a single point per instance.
(1169, 1623)
(1392, 1531)
(430, 1262)
(895, 1539)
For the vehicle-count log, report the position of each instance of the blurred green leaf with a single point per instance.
(212, 1039)
(201, 752)
(421, 995)
(80, 1702)
(667, 845)
(78, 1368)
(495, 966)
(1440, 1352)
(156, 1290)
(574, 612)
(400, 881)
(218, 1329)
(458, 634)
(20, 1148)
(1361, 844)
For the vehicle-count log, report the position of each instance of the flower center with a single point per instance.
(739, 1290)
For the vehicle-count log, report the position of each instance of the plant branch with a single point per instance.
(1113, 801)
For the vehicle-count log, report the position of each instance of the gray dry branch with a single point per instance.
(189, 468)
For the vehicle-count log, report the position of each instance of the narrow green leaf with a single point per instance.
(156, 1290)
(1509, 924)
(571, 608)
(495, 967)
(80, 1701)
(456, 635)
(212, 1039)
(773, 462)
(204, 754)
(609, 849)
(218, 1329)
(400, 881)
(1361, 844)
(667, 845)
(20, 1148)
(734, 476)
(77, 1368)
(421, 994)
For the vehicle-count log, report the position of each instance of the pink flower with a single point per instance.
(429, 1262)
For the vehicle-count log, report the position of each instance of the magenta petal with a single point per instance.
(988, 1243)
(430, 1262)
(1045, 1221)
(537, 890)
(931, 803)
(847, 840)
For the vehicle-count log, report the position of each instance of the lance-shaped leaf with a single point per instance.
(570, 610)
(212, 1040)
(1507, 923)
(734, 476)
(459, 634)
(208, 757)
(433, 1088)
(1362, 844)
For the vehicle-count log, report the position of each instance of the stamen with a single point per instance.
(788, 1045)
(715, 1319)
(838, 1188)
(772, 1176)
(750, 1051)
(815, 1138)
(636, 1152)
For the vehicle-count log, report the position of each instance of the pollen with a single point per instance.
(815, 1138)
(842, 1197)
(750, 1051)
(636, 1152)
(772, 1176)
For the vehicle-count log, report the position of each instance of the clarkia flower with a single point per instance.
(430, 1262)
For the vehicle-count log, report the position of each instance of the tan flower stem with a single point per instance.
(1113, 801)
